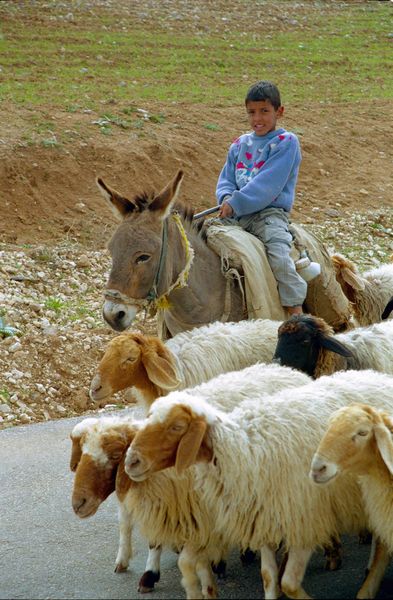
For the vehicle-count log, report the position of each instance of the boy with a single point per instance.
(256, 188)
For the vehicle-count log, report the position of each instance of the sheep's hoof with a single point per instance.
(333, 563)
(119, 568)
(365, 537)
(147, 581)
(220, 569)
(210, 593)
(247, 557)
(333, 554)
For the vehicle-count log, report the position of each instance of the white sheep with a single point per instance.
(167, 510)
(153, 367)
(359, 440)
(164, 508)
(252, 467)
(309, 344)
(369, 292)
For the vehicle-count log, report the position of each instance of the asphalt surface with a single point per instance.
(47, 552)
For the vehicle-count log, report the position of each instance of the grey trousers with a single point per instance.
(271, 227)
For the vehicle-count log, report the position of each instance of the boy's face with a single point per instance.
(263, 116)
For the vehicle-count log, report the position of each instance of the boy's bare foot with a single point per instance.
(294, 310)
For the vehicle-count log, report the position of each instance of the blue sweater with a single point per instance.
(260, 172)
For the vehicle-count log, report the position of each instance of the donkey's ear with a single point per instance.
(166, 198)
(119, 205)
(189, 446)
(384, 438)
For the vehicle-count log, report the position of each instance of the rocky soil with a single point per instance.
(53, 299)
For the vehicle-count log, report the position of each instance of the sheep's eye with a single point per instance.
(362, 433)
(129, 360)
(177, 427)
(143, 258)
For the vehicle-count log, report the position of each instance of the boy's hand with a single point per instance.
(226, 210)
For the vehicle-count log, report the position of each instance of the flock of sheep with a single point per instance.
(260, 435)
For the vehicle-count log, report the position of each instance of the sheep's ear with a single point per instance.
(189, 446)
(114, 446)
(123, 482)
(384, 440)
(334, 345)
(352, 279)
(76, 452)
(160, 368)
(388, 309)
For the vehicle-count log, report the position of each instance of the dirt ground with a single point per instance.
(46, 193)
(54, 225)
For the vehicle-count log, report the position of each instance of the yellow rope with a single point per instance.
(162, 303)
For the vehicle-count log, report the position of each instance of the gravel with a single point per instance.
(53, 297)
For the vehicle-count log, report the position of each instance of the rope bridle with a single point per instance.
(153, 301)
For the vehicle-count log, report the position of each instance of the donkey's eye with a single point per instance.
(143, 258)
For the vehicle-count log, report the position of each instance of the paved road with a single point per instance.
(47, 552)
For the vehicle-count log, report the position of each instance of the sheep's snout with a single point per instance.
(77, 504)
(135, 465)
(97, 390)
(322, 470)
(83, 506)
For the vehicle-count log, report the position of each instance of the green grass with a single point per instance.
(55, 304)
(84, 65)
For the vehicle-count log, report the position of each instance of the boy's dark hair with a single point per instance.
(264, 90)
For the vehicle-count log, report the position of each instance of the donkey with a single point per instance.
(160, 259)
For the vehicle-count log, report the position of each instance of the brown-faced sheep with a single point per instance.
(359, 440)
(369, 292)
(275, 438)
(153, 367)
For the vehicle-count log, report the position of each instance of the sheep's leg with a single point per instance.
(269, 573)
(291, 582)
(333, 554)
(247, 557)
(152, 570)
(124, 553)
(190, 581)
(206, 577)
(377, 564)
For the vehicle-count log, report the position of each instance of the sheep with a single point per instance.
(309, 344)
(368, 292)
(187, 359)
(359, 440)
(388, 309)
(251, 465)
(164, 506)
(97, 449)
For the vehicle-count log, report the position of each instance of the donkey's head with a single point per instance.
(135, 250)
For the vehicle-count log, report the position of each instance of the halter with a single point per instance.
(152, 300)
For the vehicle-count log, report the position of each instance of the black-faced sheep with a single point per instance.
(309, 344)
